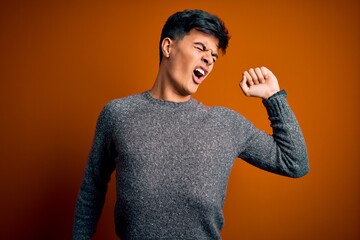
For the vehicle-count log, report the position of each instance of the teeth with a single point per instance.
(200, 71)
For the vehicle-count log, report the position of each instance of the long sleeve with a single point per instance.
(284, 152)
(93, 189)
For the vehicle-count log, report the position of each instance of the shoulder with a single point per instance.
(227, 121)
(225, 113)
(116, 108)
(224, 116)
(125, 104)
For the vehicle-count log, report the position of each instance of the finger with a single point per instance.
(248, 78)
(244, 85)
(259, 74)
(253, 76)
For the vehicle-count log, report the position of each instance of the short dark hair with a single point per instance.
(181, 23)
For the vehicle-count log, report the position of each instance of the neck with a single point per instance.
(164, 90)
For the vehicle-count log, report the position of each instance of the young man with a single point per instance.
(173, 155)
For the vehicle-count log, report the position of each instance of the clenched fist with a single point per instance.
(259, 82)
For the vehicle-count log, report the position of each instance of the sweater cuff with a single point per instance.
(276, 104)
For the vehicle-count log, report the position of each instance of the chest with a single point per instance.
(165, 136)
(160, 155)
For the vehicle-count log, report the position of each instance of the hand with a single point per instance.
(259, 82)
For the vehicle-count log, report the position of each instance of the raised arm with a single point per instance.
(284, 152)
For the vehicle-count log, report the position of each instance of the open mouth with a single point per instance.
(199, 75)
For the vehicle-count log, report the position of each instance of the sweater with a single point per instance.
(173, 160)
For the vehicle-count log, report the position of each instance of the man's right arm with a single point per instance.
(93, 188)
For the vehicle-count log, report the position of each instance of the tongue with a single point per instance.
(197, 78)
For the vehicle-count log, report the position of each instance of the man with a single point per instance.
(173, 155)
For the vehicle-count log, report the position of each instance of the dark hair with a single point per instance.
(181, 23)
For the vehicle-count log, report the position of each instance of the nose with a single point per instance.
(207, 57)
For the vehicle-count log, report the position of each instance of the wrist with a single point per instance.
(278, 93)
(270, 94)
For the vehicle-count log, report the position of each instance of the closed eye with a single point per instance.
(201, 47)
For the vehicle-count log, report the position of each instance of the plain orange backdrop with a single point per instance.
(62, 61)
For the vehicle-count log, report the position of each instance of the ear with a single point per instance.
(166, 46)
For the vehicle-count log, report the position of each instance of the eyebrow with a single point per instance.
(205, 49)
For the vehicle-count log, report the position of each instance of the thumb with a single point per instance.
(266, 72)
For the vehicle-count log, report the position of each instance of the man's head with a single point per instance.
(181, 23)
(189, 46)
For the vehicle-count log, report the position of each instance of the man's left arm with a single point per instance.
(284, 152)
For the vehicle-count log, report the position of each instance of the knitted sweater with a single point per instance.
(173, 161)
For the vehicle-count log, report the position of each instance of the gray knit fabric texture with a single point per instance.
(173, 161)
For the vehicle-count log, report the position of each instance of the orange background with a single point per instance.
(61, 62)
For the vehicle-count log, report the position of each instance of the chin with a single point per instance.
(189, 89)
(192, 90)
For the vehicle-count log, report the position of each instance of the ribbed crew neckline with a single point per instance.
(162, 102)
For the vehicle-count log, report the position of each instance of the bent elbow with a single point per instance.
(299, 170)
(300, 173)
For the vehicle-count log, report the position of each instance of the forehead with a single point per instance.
(209, 41)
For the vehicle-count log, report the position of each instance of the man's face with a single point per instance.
(191, 60)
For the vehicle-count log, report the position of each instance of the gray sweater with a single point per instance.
(173, 161)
